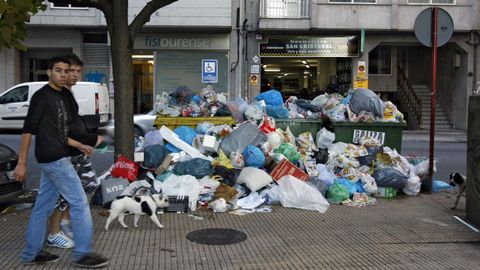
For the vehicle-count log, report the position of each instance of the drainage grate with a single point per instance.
(216, 236)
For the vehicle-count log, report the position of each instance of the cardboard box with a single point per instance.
(285, 167)
(164, 166)
(210, 143)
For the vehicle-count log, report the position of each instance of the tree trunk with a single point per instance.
(121, 49)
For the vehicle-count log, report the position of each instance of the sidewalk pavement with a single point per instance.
(440, 136)
(402, 233)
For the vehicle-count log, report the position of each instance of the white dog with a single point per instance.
(137, 205)
(456, 179)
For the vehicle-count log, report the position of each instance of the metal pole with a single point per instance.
(434, 89)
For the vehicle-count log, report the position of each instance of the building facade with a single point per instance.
(168, 52)
(301, 47)
(308, 46)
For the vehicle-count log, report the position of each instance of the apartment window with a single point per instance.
(431, 2)
(380, 60)
(353, 1)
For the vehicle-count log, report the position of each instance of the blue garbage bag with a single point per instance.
(186, 134)
(279, 111)
(271, 97)
(351, 187)
(254, 157)
(154, 155)
(359, 187)
(438, 185)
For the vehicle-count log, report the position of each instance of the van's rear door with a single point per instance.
(14, 107)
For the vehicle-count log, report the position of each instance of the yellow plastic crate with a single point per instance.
(173, 122)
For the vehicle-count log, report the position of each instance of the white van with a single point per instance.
(92, 98)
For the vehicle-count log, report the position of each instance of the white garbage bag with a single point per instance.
(254, 178)
(325, 138)
(295, 193)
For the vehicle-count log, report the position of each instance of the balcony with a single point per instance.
(287, 15)
(285, 9)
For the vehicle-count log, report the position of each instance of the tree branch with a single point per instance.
(144, 16)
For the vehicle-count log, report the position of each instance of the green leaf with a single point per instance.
(14, 14)
(3, 6)
(6, 33)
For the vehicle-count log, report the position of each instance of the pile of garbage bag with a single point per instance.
(254, 164)
(359, 105)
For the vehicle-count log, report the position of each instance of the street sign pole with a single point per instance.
(434, 90)
(433, 28)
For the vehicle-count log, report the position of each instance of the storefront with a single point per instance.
(307, 65)
(166, 61)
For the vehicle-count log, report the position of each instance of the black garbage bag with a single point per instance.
(321, 156)
(223, 110)
(182, 95)
(389, 177)
(229, 175)
(371, 157)
(307, 105)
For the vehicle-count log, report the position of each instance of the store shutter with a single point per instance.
(96, 54)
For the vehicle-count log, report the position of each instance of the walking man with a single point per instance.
(60, 234)
(49, 118)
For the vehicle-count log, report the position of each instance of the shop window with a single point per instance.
(380, 60)
(431, 2)
(353, 1)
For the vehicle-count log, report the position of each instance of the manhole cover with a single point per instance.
(216, 236)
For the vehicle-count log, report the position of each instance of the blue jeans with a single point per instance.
(59, 177)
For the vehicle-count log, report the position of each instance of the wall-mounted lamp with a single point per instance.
(142, 56)
(272, 70)
(307, 66)
(304, 62)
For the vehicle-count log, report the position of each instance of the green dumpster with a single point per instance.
(298, 125)
(389, 133)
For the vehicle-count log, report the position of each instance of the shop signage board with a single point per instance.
(310, 46)
(209, 71)
(255, 69)
(361, 69)
(360, 83)
(253, 79)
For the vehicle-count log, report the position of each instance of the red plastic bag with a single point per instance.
(125, 168)
(267, 125)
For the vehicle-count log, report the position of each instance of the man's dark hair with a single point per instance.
(74, 60)
(55, 60)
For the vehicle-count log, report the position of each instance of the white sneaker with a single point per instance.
(60, 240)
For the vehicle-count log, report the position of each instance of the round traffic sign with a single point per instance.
(423, 27)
